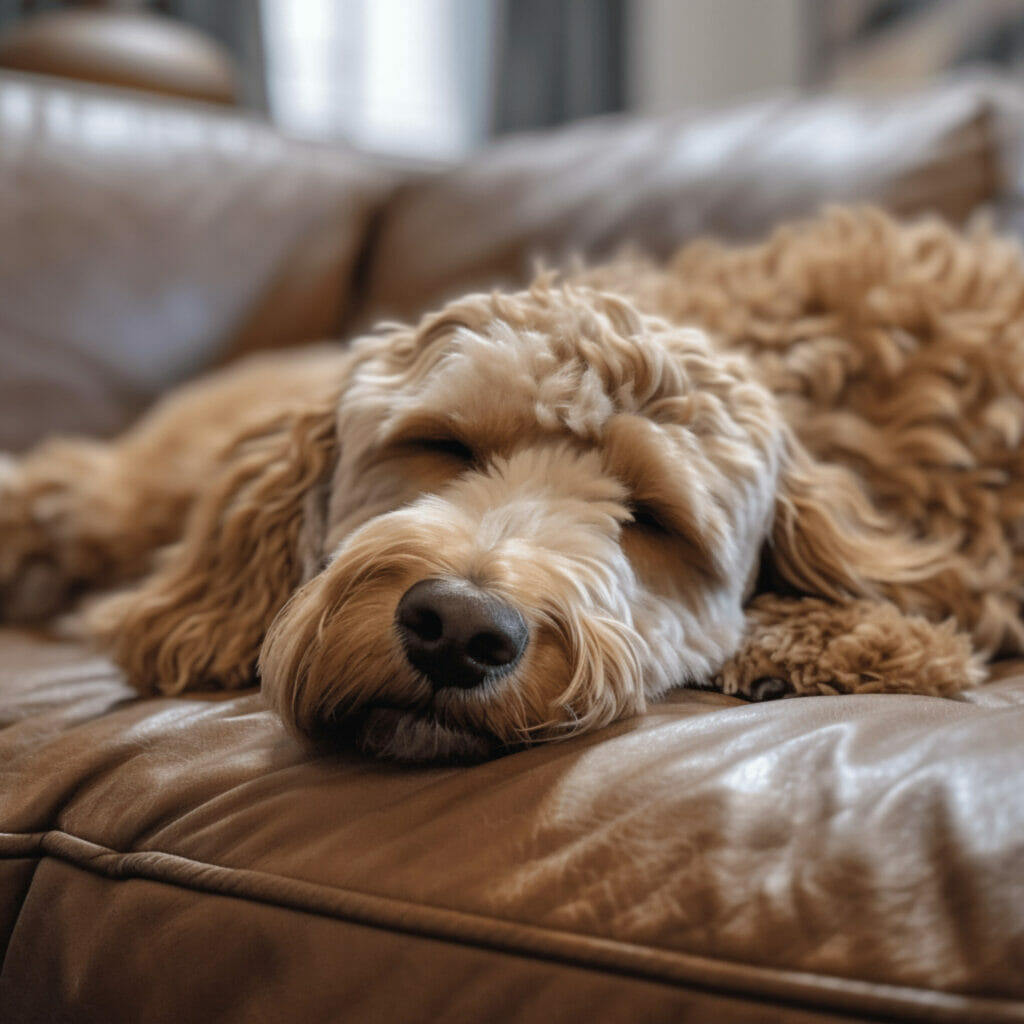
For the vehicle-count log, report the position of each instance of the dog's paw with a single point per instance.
(34, 590)
(755, 682)
(33, 586)
(769, 688)
(810, 647)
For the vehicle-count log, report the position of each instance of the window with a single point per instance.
(403, 77)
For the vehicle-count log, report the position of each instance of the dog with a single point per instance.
(783, 469)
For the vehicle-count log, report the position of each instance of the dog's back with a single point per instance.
(897, 351)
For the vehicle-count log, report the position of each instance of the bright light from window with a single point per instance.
(407, 77)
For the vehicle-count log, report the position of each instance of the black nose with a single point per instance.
(457, 634)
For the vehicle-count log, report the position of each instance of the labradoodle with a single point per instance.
(794, 468)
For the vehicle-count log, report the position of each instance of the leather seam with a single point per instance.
(842, 997)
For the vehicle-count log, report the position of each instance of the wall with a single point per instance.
(699, 52)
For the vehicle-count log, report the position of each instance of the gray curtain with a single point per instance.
(11, 9)
(558, 60)
(236, 25)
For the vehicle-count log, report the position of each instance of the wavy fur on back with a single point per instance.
(788, 468)
(897, 355)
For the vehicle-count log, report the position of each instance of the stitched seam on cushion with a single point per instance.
(841, 996)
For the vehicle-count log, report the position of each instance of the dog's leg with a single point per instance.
(803, 646)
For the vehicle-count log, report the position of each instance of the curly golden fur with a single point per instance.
(790, 468)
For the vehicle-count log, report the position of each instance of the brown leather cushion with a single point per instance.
(833, 858)
(658, 182)
(143, 239)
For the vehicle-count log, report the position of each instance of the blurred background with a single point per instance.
(436, 79)
(187, 182)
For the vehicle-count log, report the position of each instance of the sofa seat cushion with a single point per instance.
(834, 858)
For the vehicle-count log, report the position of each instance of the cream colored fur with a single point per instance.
(791, 468)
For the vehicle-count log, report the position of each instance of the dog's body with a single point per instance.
(796, 468)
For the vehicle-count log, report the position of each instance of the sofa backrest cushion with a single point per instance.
(656, 183)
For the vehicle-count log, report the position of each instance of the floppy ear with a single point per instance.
(252, 537)
(829, 540)
(878, 630)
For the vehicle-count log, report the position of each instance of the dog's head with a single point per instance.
(547, 509)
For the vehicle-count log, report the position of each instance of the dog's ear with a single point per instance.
(829, 539)
(253, 536)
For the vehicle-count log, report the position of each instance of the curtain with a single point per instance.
(558, 60)
(236, 25)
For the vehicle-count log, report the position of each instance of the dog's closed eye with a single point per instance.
(449, 446)
(647, 518)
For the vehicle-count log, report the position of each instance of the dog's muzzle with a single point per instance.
(457, 634)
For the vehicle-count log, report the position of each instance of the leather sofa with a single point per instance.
(854, 858)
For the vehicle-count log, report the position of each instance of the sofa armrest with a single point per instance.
(149, 238)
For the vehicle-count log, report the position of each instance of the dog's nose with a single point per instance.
(457, 634)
